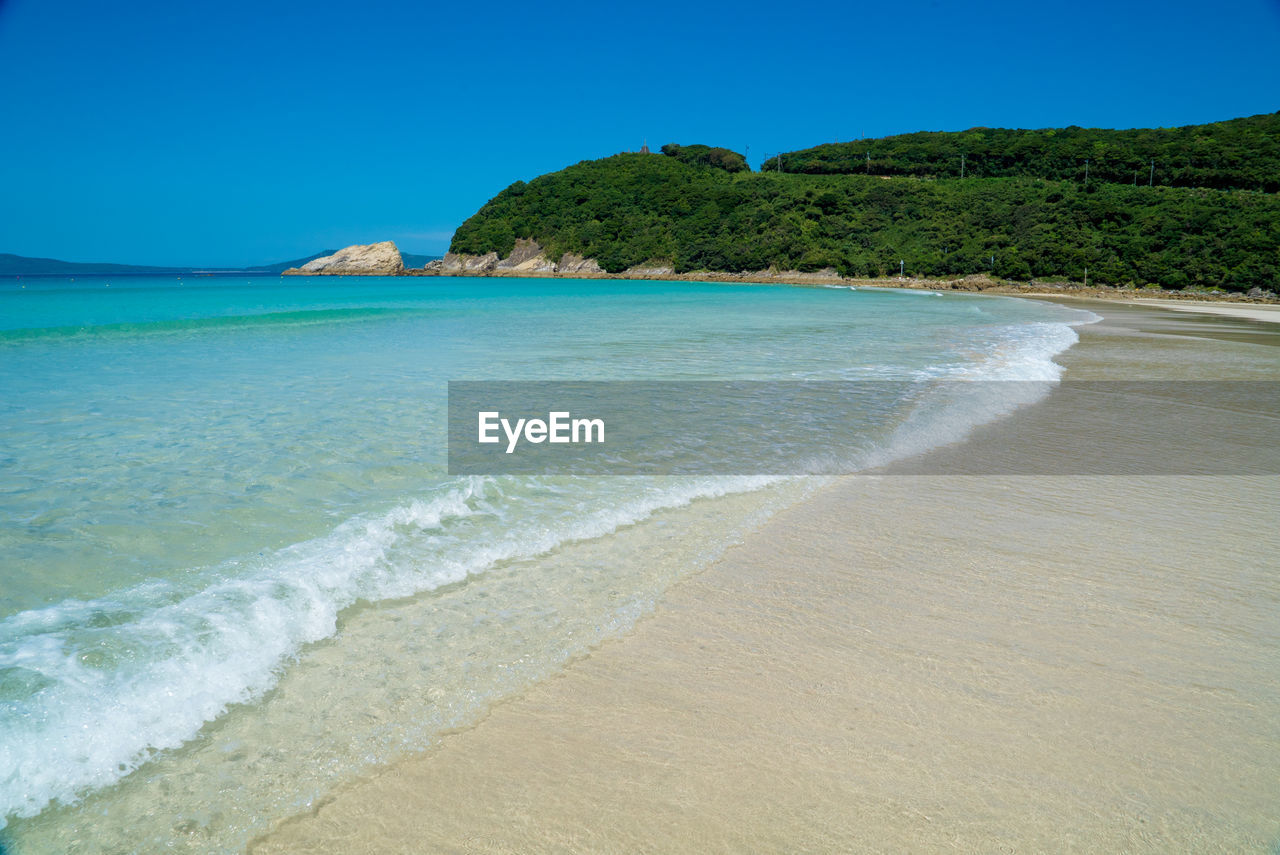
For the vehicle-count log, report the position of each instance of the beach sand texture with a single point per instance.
(911, 664)
(1265, 313)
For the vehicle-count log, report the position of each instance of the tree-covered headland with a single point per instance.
(1208, 216)
(1240, 154)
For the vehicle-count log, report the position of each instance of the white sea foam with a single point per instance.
(1017, 370)
(116, 679)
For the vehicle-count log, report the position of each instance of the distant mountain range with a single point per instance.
(19, 265)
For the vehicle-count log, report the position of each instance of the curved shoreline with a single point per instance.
(908, 664)
(971, 284)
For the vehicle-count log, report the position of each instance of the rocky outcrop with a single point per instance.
(375, 259)
(527, 257)
(826, 274)
(641, 271)
(570, 263)
(525, 251)
(538, 264)
(454, 262)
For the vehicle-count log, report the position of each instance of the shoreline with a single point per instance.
(909, 664)
(966, 284)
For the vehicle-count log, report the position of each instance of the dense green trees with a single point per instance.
(703, 155)
(1241, 154)
(630, 209)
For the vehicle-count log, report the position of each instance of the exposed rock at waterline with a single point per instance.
(570, 263)
(641, 271)
(455, 263)
(525, 251)
(375, 259)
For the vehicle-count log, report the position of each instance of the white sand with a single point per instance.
(910, 664)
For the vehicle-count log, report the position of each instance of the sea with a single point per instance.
(235, 573)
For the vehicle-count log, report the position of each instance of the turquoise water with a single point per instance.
(230, 551)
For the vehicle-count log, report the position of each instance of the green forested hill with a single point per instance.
(1241, 154)
(630, 209)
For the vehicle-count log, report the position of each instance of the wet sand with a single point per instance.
(912, 663)
(1264, 313)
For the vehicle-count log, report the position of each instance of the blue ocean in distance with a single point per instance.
(234, 571)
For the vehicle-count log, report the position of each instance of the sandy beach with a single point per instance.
(913, 663)
(1267, 314)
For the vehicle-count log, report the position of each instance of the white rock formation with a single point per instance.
(375, 259)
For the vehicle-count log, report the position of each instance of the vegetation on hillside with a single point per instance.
(704, 155)
(1240, 154)
(631, 209)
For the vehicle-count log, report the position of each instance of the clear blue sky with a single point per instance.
(237, 133)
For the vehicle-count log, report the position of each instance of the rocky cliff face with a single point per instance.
(570, 263)
(383, 259)
(526, 252)
(375, 259)
(644, 271)
(456, 263)
(527, 257)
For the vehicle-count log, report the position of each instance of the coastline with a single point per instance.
(527, 260)
(910, 664)
(974, 284)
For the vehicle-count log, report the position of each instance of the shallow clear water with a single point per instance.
(234, 571)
